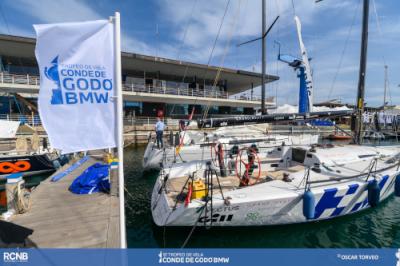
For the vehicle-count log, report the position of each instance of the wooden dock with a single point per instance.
(61, 219)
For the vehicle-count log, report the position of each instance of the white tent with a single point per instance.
(8, 129)
(287, 108)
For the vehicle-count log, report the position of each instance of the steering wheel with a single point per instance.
(246, 161)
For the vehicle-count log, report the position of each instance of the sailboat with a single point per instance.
(191, 144)
(286, 185)
(21, 161)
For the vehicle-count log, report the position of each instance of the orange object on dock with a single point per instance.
(338, 137)
(3, 199)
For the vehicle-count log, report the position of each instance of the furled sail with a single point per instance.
(304, 55)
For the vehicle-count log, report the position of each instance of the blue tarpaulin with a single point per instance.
(92, 180)
(321, 123)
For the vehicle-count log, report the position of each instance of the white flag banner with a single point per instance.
(76, 98)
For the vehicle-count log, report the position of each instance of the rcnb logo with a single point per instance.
(15, 256)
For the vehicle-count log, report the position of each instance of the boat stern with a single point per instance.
(152, 158)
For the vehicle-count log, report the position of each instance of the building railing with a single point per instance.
(176, 91)
(148, 121)
(206, 93)
(19, 79)
(6, 78)
(34, 120)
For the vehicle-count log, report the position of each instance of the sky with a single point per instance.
(187, 30)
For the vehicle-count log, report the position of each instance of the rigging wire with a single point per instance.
(388, 91)
(208, 64)
(378, 25)
(189, 22)
(205, 73)
(344, 50)
(293, 8)
(278, 37)
(213, 48)
(217, 37)
(227, 46)
(5, 19)
(214, 85)
(181, 47)
(240, 32)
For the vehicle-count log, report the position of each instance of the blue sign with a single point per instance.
(234, 257)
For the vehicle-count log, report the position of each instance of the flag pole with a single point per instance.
(120, 126)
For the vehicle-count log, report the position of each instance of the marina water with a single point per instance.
(378, 227)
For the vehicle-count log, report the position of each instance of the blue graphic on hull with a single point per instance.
(364, 203)
(329, 200)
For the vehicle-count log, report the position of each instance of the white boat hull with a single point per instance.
(275, 202)
(287, 208)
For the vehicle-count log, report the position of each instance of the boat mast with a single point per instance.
(264, 34)
(263, 109)
(385, 87)
(361, 77)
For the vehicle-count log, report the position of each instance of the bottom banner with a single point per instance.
(236, 257)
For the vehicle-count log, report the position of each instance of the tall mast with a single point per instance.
(361, 77)
(263, 109)
(385, 87)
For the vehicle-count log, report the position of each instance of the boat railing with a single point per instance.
(365, 175)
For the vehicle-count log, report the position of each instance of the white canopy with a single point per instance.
(8, 129)
(286, 108)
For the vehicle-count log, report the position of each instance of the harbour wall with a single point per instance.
(139, 134)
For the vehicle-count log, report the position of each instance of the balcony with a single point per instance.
(141, 93)
(19, 79)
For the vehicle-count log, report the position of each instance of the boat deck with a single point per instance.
(228, 183)
(61, 219)
(296, 173)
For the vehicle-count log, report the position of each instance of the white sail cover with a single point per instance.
(76, 97)
(8, 129)
(291, 109)
(304, 55)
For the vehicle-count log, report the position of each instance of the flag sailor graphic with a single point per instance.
(80, 97)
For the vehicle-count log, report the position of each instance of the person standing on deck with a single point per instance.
(159, 132)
